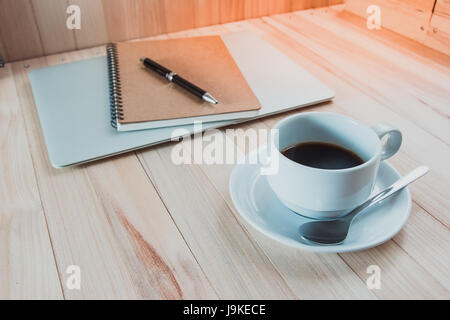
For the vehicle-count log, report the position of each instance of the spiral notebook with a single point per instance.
(143, 99)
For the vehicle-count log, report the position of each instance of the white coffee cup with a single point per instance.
(326, 193)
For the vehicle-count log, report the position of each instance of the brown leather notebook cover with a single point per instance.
(141, 95)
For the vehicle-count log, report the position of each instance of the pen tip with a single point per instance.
(142, 59)
(209, 98)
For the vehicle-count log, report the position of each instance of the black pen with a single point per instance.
(173, 77)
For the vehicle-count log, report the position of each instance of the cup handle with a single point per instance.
(394, 141)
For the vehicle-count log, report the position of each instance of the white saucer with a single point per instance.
(260, 207)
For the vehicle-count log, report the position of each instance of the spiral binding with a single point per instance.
(115, 88)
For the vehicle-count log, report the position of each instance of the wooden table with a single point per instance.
(139, 226)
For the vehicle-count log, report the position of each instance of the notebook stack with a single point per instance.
(96, 108)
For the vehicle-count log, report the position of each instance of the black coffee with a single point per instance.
(322, 155)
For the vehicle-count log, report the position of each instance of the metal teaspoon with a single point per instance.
(334, 231)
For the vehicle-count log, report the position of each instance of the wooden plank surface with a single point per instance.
(438, 34)
(424, 21)
(27, 264)
(442, 8)
(409, 18)
(140, 226)
(122, 238)
(33, 28)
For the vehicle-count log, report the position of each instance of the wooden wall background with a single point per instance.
(426, 21)
(33, 28)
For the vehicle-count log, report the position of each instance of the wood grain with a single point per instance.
(123, 251)
(442, 8)
(84, 239)
(93, 25)
(396, 72)
(206, 12)
(54, 34)
(159, 260)
(282, 6)
(27, 264)
(232, 10)
(140, 226)
(302, 5)
(231, 260)
(409, 18)
(179, 14)
(427, 247)
(255, 8)
(153, 18)
(438, 34)
(18, 30)
(414, 19)
(120, 18)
